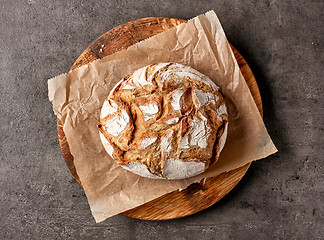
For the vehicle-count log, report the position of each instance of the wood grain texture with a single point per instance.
(197, 196)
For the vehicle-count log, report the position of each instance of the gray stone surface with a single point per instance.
(280, 197)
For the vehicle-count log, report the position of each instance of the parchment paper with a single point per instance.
(77, 98)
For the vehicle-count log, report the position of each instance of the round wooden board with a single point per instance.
(197, 196)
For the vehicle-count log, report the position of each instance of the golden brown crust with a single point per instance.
(164, 111)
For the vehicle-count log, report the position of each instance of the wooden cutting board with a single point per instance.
(197, 196)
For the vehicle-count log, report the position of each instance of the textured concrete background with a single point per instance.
(280, 197)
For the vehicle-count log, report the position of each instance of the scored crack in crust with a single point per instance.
(165, 120)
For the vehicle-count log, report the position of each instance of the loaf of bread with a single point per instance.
(164, 120)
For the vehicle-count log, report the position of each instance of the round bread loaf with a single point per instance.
(164, 120)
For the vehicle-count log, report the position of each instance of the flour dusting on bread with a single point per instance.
(149, 110)
(117, 124)
(176, 95)
(147, 142)
(164, 120)
(109, 107)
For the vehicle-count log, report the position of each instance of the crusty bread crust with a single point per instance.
(165, 112)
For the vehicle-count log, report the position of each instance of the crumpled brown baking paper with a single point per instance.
(77, 98)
